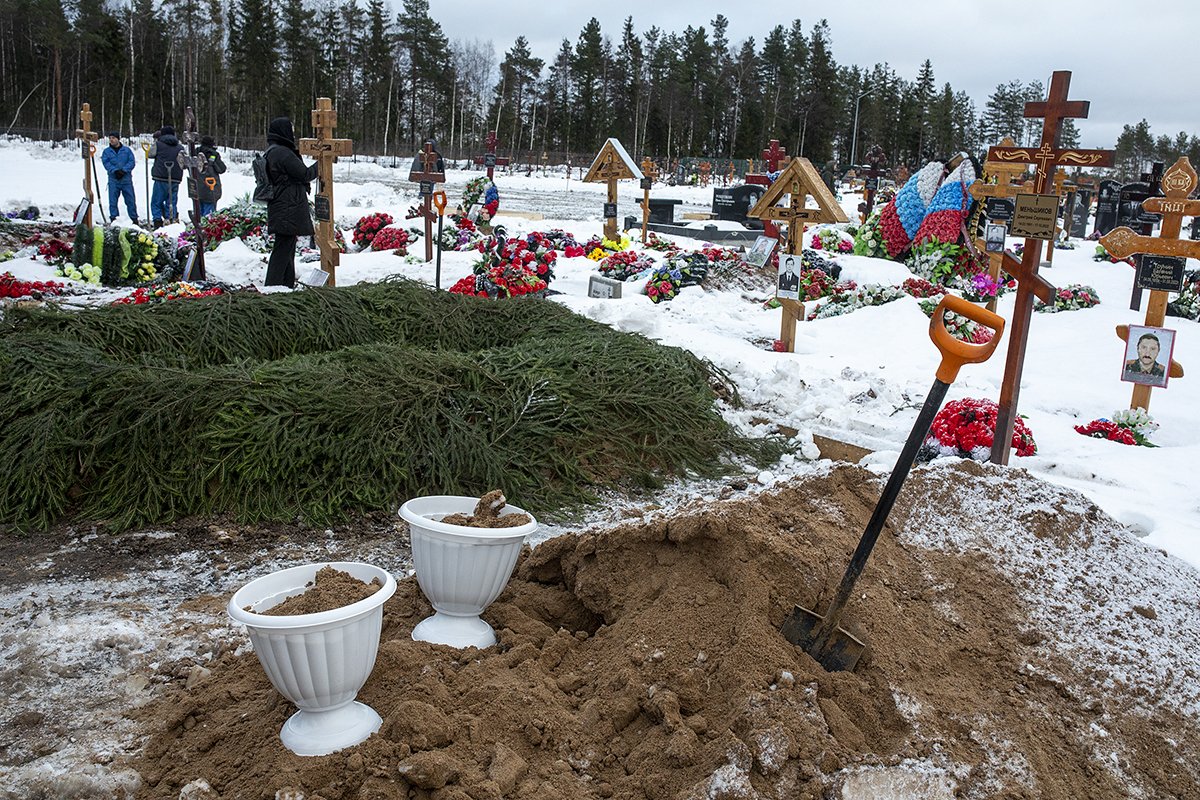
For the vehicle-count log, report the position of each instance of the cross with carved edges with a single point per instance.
(1053, 110)
(86, 132)
(490, 142)
(1178, 183)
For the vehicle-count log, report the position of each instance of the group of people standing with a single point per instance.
(166, 175)
(288, 214)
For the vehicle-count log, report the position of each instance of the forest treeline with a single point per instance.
(397, 79)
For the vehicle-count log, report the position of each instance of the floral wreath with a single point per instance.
(477, 189)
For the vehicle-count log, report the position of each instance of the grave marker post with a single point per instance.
(87, 146)
(611, 164)
(798, 181)
(1046, 158)
(876, 158)
(1178, 184)
(194, 164)
(426, 177)
(489, 159)
(649, 173)
(1004, 189)
(326, 149)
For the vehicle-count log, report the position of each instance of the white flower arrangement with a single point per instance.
(928, 180)
(1137, 420)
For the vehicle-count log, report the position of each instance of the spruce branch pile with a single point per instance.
(322, 403)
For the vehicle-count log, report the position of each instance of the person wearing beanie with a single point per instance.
(288, 217)
(118, 162)
(209, 190)
(166, 174)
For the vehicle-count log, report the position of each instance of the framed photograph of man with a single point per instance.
(993, 236)
(1148, 356)
(758, 254)
(789, 277)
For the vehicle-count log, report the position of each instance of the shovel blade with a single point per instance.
(842, 650)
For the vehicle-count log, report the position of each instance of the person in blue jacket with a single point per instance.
(118, 162)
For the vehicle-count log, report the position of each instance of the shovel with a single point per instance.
(836, 648)
(439, 202)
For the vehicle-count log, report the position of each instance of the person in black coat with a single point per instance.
(288, 217)
(167, 175)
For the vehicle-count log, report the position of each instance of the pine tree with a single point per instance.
(518, 74)
(587, 74)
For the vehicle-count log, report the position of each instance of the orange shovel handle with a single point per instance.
(211, 183)
(956, 352)
(439, 202)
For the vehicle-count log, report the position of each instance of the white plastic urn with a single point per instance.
(460, 569)
(318, 661)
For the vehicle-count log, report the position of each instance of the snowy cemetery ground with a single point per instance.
(90, 632)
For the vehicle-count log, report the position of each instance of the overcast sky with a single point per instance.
(1132, 59)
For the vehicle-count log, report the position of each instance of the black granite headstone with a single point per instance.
(662, 210)
(1195, 228)
(1078, 213)
(735, 202)
(1129, 203)
(1106, 206)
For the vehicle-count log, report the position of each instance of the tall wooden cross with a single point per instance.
(194, 164)
(773, 157)
(1178, 183)
(1004, 188)
(612, 163)
(649, 173)
(427, 176)
(326, 149)
(490, 159)
(87, 146)
(705, 172)
(1046, 158)
(799, 180)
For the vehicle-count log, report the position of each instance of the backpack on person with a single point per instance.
(264, 190)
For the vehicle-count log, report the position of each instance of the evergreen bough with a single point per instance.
(317, 404)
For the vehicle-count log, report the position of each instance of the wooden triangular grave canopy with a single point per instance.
(613, 162)
(798, 181)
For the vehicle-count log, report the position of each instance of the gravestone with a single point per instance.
(1195, 234)
(1106, 206)
(1129, 203)
(662, 210)
(1077, 215)
(734, 204)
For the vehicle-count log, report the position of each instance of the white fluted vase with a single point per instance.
(318, 661)
(460, 569)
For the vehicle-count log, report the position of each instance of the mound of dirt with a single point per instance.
(645, 662)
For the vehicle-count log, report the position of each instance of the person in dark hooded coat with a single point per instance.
(167, 175)
(288, 217)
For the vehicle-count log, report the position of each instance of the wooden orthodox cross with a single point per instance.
(194, 164)
(773, 155)
(490, 159)
(87, 146)
(611, 164)
(1178, 183)
(798, 180)
(649, 173)
(427, 176)
(326, 149)
(1005, 188)
(1046, 158)
(705, 172)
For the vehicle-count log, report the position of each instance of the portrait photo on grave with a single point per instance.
(789, 277)
(760, 251)
(993, 236)
(1148, 356)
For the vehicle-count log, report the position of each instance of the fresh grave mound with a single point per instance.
(326, 403)
(646, 662)
(329, 589)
